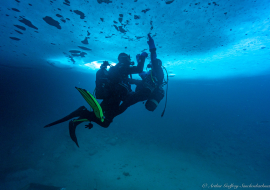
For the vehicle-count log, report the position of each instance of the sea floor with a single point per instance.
(109, 160)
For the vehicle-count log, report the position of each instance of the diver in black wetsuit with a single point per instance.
(150, 87)
(118, 91)
(119, 81)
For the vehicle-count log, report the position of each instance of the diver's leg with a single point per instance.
(91, 117)
(105, 124)
(109, 106)
(77, 113)
(83, 113)
(132, 99)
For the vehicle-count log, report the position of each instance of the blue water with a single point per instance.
(214, 132)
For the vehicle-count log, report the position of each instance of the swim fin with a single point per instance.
(77, 113)
(72, 128)
(92, 102)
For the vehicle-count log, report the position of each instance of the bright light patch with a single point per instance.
(67, 64)
(93, 65)
(96, 64)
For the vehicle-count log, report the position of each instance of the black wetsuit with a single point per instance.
(142, 92)
(119, 80)
(117, 75)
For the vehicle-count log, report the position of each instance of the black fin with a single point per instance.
(47, 125)
(72, 134)
(78, 112)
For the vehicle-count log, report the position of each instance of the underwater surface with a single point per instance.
(215, 130)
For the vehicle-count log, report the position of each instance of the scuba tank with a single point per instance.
(102, 82)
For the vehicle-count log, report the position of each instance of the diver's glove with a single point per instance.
(89, 125)
(144, 54)
(151, 42)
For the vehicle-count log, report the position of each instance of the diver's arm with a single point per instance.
(153, 58)
(152, 49)
(134, 81)
(139, 68)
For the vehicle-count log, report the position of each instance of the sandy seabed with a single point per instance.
(109, 160)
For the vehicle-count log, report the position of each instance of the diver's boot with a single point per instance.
(77, 113)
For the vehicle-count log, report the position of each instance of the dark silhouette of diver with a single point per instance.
(119, 88)
(150, 88)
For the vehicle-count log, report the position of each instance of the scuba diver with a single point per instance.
(153, 80)
(150, 88)
(115, 86)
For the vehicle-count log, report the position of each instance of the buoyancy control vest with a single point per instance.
(155, 88)
(119, 82)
